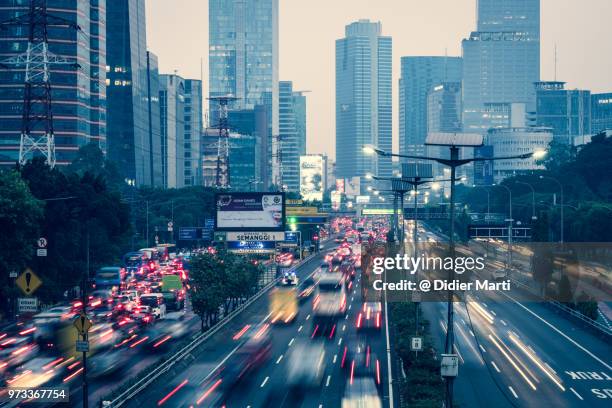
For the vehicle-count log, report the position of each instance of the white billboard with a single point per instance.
(336, 200)
(250, 211)
(311, 177)
(351, 187)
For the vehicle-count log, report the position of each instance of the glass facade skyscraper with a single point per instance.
(418, 76)
(601, 112)
(243, 59)
(193, 127)
(128, 118)
(78, 96)
(363, 99)
(299, 110)
(501, 60)
(289, 144)
(155, 159)
(172, 115)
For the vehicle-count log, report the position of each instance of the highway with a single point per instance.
(523, 354)
(266, 386)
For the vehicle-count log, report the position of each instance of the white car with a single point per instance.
(156, 302)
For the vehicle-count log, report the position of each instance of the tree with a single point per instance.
(90, 159)
(542, 263)
(558, 155)
(20, 221)
(207, 290)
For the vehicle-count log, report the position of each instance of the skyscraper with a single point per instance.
(289, 156)
(299, 110)
(172, 115)
(418, 76)
(363, 99)
(501, 60)
(193, 128)
(78, 96)
(128, 119)
(155, 159)
(243, 60)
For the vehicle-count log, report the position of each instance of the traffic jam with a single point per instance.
(337, 333)
(135, 308)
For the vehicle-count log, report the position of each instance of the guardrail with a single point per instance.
(153, 373)
(595, 324)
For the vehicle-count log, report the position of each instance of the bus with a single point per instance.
(109, 277)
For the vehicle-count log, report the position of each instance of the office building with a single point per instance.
(193, 127)
(172, 125)
(330, 173)
(566, 111)
(418, 76)
(290, 139)
(501, 60)
(299, 111)
(601, 112)
(78, 99)
(243, 61)
(244, 160)
(443, 115)
(254, 122)
(363, 100)
(128, 120)
(515, 141)
(153, 128)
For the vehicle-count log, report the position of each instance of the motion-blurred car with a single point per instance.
(361, 393)
(305, 365)
(369, 317)
(358, 361)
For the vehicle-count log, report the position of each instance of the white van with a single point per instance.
(156, 302)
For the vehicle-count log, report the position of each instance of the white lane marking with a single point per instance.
(340, 341)
(349, 308)
(335, 358)
(578, 395)
(492, 312)
(352, 298)
(300, 328)
(307, 317)
(346, 317)
(343, 327)
(320, 405)
(328, 380)
(472, 333)
(513, 392)
(495, 366)
(482, 348)
(561, 333)
(279, 359)
(503, 322)
(291, 342)
(464, 322)
(264, 382)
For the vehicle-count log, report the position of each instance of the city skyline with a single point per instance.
(168, 25)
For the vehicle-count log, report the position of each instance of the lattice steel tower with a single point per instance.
(37, 116)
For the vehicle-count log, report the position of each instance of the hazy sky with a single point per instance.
(177, 31)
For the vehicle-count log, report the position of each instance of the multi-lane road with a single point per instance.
(267, 385)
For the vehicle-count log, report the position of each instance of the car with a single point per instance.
(361, 393)
(289, 278)
(156, 302)
(358, 360)
(369, 317)
(305, 365)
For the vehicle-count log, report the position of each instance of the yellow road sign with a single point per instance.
(82, 323)
(28, 282)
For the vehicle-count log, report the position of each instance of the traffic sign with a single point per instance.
(416, 343)
(41, 252)
(29, 304)
(170, 226)
(42, 242)
(450, 365)
(12, 274)
(82, 345)
(28, 282)
(82, 324)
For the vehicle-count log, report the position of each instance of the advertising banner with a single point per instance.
(311, 177)
(250, 211)
(251, 247)
(351, 187)
(483, 170)
(340, 185)
(336, 199)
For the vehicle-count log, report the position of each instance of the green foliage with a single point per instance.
(220, 280)
(423, 386)
(20, 218)
(75, 206)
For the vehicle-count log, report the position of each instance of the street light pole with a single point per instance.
(561, 189)
(533, 209)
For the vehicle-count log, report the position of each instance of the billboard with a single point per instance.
(363, 199)
(311, 177)
(251, 247)
(351, 187)
(250, 211)
(336, 199)
(256, 236)
(340, 185)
